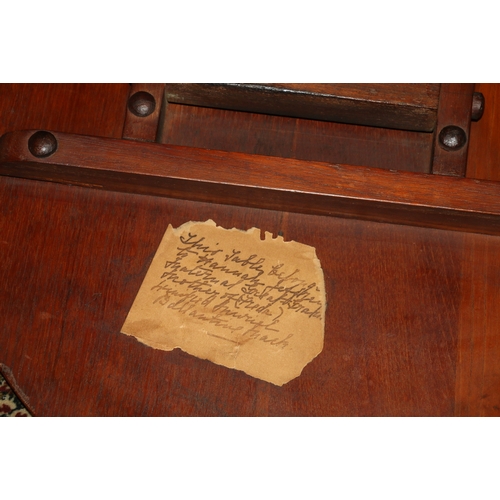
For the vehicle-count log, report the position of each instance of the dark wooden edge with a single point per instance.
(455, 109)
(11, 381)
(262, 98)
(261, 182)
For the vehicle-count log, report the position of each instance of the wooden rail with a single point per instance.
(259, 181)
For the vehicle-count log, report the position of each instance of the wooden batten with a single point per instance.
(260, 182)
(398, 106)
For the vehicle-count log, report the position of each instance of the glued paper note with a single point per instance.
(228, 296)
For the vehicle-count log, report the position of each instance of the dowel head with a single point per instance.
(452, 138)
(142, 104)
(42, 144)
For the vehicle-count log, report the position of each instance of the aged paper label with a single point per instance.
(230, 297)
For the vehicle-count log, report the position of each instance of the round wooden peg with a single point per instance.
(42, 144)
(452, 138)
(142, 104)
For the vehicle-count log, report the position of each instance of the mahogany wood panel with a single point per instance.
(260, 182)
(401, 106)
(73, 259)
(478, 376)
(296, 138)
(93, 109)
(484, 147)
(455, 108)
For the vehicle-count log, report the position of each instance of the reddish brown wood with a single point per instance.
(297, 138)
(401, 106)
(73, 259)
(260, 182)
(92, 109)
(484, 147)
(455, 108)
(478, 376)
(141, 123)
(412, 321)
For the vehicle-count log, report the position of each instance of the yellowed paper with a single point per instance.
(232, 298)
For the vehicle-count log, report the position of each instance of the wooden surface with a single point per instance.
(297, 138)
(91, 109)
(401, 106)
(144, 128)
(484, 147)
(389, 347)
(412, 322)
(455, 109)
(258, 181)
(478, 375)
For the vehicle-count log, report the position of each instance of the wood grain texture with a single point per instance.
(73, 259)
(478, 376)
(455, 108)
(93, 109)
(400, 106)
(484, 147)
(412, 321)
(296, 138)
(260, 182)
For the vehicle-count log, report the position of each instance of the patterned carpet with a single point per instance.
(10, 405)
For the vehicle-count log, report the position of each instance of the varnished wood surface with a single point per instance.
(455, 108)
(259, 181)
(412, 315)
(296, 138)
(144, 128)
(92, 109)
(478, 375)
(401, 106)
(484, 147)
(74, 258)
